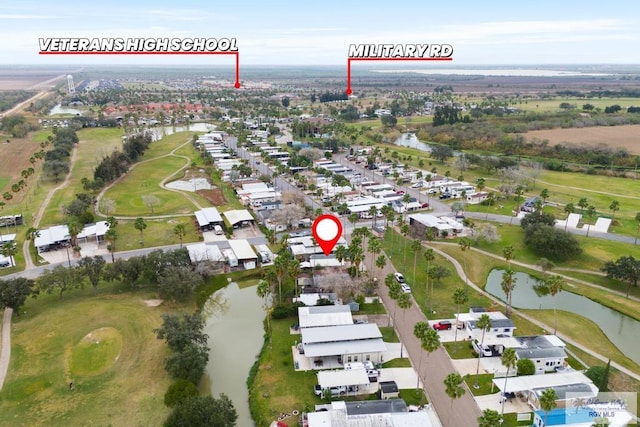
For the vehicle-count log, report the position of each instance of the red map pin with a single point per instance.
(327, 230)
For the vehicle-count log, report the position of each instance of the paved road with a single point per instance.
(5, 345)
(435, 366)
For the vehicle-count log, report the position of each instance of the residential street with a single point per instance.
(435, 367)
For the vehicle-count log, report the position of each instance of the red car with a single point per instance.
(442, 325)
(424, 205)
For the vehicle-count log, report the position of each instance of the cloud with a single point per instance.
(18, 16)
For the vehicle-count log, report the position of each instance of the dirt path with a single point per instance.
(588, 190)
(45, 204)
(162, 185)
(5, 345)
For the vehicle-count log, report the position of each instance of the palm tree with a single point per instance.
(491, 198)
(544, 195)
(271, 237)
(508, 254)
(453, 387)
(460, 297)
(32, 233)
(508, 284)
(405, 199)
(75, 227)
(404, 229)
(420, 330)
(180, 230)
(490, 418)
(635, 242)
(554, 285)
(341, 253)
(381, 262)
(568, 209)
(465, 243)
(415, 247)
(373, 212)
(429, 342)
(583, 203)
(615, 207)
(395, 290)
(429, 256)
(264, 291)
(140, 225)
(508, 360)
(111, 236)
(9, 249)
(375, 248)
(484, 323)
(548, 402)
(590, 213)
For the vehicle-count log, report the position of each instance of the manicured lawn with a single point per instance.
(278, 388)
(372, 308)
(389, 334)
(464, 350)
(104, 344)
(144, 180)
(485, 381)
(413, 397)
(397, 363)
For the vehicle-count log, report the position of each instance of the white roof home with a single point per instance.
(7, 238)
(237, 216)
(542, 381)
(60, 233)
(204, 252)
(208, 216)
(342, 340)
(242, 249)
(431, 221)
(328, 379)
(325, 315)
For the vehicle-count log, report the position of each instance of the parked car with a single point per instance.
(264, 257)
(399, 277)
(445, 196)
(424, 205)
(443, 325)
(405, 288)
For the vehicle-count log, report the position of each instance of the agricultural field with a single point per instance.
(14, 158)
(112, 356)
(94, 144)
(627, 137)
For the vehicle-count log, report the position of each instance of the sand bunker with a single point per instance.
(192, 185)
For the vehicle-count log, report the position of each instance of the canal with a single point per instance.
(621, 330)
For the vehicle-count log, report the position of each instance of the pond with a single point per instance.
(235, 329)
(59, 109)
(621, 330)
(162, 131)
(412, 141)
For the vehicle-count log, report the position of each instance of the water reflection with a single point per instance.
(622, 330)
(234, 325)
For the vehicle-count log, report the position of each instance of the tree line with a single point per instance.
(117, 163)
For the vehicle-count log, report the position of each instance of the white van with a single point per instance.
(218, 230)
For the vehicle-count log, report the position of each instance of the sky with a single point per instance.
(277, 32)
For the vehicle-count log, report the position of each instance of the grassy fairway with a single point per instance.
(94, 144)
(145, 180)
(104, 344)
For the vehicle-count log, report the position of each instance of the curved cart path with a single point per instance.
(162, 185)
